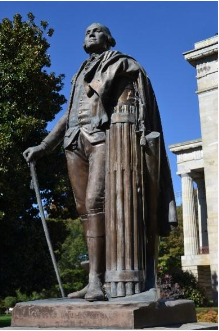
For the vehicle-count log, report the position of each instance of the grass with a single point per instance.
(201, 309)
(5, 320)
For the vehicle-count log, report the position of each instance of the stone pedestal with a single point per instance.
(137, 311)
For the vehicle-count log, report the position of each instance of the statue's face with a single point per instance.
(95, 39)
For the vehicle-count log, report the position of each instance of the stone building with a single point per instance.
(197, 162)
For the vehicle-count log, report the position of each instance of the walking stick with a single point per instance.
(45, 228)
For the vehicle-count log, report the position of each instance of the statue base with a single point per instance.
(138, 311)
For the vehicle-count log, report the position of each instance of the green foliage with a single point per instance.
(70, 250)
(21, 297)
(10, 302)
(203, 309)
(197, 295)
(44, 294)
(171, 248)
(73, 251)
(182, 285)
(174, 282)
(190, 286)
(29, 98)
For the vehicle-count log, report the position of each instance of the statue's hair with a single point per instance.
(110, 40)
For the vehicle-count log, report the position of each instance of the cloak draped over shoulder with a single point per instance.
(100, 79)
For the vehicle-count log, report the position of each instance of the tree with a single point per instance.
(171, 248)
(72, 252)
(29, 98)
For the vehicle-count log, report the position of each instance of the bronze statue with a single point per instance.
(117, 167)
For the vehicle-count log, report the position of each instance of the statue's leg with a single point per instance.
(86, 167)
(96, 251)
(78, 170)
(94, 230)
(95, 197)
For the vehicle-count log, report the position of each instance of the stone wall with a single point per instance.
(204, 57)
(191, 161)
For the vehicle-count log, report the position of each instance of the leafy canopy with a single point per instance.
(29, 98)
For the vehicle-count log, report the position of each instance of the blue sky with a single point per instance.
(155, 33)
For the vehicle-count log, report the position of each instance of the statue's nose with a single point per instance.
(92, 34)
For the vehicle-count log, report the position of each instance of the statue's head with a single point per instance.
(98, 39)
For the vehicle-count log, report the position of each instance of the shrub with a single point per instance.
(10, 302)
(197, 295)
(21, 297)
(44, 294)
(169, 289)
(182, 285)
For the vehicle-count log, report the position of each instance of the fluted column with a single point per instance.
(190, 230)
(202, 212)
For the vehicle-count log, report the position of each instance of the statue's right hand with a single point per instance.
(33, 153)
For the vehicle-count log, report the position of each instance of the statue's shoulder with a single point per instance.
(115, 54)
(108, 55)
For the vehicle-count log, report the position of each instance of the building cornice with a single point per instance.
(202, 49)
(195, 55)
(191, 144)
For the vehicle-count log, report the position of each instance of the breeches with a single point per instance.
(86, 169)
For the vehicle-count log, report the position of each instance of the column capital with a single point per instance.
(186, 174)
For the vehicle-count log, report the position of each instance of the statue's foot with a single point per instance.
(95, 292)
(78, 294)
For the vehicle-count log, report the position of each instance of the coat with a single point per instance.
(102, 78)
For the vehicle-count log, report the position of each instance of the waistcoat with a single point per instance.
(88, 115)
(84, 113)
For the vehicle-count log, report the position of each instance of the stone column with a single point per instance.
(202, 212)
(190, 230)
